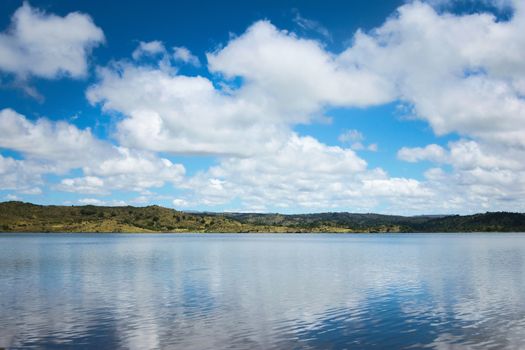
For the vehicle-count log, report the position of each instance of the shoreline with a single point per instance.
(21, 233)
(26, 217)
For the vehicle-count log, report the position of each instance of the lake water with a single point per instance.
(443, 291)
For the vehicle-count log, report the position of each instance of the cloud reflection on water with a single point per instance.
(194, 292)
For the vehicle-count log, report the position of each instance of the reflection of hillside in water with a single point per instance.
(273, 291)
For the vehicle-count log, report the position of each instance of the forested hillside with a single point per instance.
(26, 217)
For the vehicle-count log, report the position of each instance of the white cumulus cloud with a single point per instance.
(148, 48)
(181, 53)
(303, 174)
(57, 147)
(462, 74)
(46, 45)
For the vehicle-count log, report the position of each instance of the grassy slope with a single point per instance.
(26, 217)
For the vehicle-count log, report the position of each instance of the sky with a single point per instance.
(395, 107)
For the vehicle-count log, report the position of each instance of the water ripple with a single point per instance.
(255, 292)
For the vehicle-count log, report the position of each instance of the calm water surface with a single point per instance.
(443, 291)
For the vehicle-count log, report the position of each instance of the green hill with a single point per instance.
(26, 217)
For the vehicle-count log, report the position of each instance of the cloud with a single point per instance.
(12, 197)
(297, 75)
(174, 113)
(86, 184)
(46, 45)
(31, 191)
(150, 48)
(480, 178)
(127, 170)
(373, 147)
(262, 161)
(52, 141)
(432, 152)
(20, 175)
(268, 80)
(179, 202)
(462, 74)
(350, 136)
(355, 138)
(181, 114)
(96, 201)
(311, 25)
(57, 147)
(303, 175)
(156, 49)
(398, 188)
(182, 54)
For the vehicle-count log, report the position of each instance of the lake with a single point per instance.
(262, 291)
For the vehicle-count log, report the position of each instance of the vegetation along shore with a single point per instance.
(27, 217)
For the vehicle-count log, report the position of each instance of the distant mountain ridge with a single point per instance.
(27, 217)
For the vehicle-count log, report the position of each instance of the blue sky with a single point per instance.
(404, 107)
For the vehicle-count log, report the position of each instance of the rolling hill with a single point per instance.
(27, 217)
